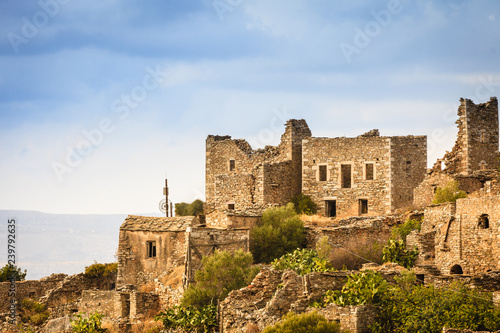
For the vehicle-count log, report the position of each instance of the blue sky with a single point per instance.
(99, 99)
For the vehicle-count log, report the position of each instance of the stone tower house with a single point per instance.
(476, 147)
(241, 181)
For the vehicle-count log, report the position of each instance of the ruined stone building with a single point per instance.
(366, 175)
(463, 237)
(474, 157)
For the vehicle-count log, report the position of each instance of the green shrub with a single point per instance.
(303, 323)
(403, 230)
(395, 251)
(449, 193)
(280, 232)
(97, 270)
(221, 273)
(303, 204)
(302, 261)
(87, 324)
(195, 208)
(366, 287)
(190, 318)
(33, 312)
(9, 271)
(425, 308)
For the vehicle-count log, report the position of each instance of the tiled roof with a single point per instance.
(147, 223)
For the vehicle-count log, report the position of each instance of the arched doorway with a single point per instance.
(456, 269)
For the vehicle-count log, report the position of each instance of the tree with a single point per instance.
(221, 273)
(303, 204)
(12, 271)
(195, 208)
(281, 231)
(304, 323)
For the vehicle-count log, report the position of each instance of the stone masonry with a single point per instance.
(366, 175)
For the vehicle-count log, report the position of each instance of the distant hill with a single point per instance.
(60, 243)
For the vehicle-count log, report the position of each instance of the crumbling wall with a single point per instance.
(238, 176)
(356, 319)
(476, 147)
(202, 242)
(272, 294)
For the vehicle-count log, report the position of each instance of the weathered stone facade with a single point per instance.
(461, 237)
(476, 147)
(240, 178)
(161, 254)
(366, 175)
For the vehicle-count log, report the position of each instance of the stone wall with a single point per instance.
(381, 170)
(476, 147)
(238, 176)
(356, 319)
(202, 242)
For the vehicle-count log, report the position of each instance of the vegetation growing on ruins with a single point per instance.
(33, 312)
(403, 230)
(302, 261)
(9, 271)
(306, 322)
(303, 204)
(449, 193)
(395, 251)
(190, 319)
(366, 287)
(195, 208)
(281, 231)
(426, 308)
(83, 323)
(97, 270)
(221, 273)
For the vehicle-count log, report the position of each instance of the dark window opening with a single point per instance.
(230, 206)
(345, 175)
(420, 278)
(330, 208)
(408, 168)
(369, 171)
(363, 206)
(322, 173)
(483, 222)
(151, 249)
(232, 165)
(457, 269)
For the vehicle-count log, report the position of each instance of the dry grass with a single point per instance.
(148, 326)
(109, 326)
(317, 220)
(354, 255)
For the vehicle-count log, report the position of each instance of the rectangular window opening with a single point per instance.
(408, 168)
(345, 175)
(363, 206)
(369, 171)
(330, 208)
(322, 173)
(230, 206)
(151, 249)
(232, 165)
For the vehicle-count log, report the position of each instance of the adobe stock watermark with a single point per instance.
(120, 110)
(31, 26)
(268, 135)
(223, 6)
(486, 88)
(363, 37)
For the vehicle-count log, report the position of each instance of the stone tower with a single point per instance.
(476, 147)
